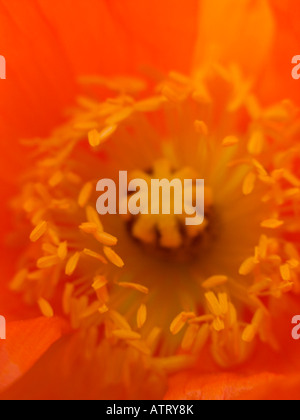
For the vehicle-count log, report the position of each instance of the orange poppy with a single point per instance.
(144, 306)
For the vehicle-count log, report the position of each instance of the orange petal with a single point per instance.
(235, 31)
(277, 83)
(63, 374)
(25, 343)
(231, 386)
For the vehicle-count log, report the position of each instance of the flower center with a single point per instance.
(167, 233)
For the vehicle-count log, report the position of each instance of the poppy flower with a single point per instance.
(144, 306)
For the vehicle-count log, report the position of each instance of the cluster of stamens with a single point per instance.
(73, 267)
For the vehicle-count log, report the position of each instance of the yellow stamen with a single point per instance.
(285, 272)
(119, 116)
(90, 311)
(99, 282)
(140, 346)
(85, 194)
(39, 231)
(189, 337)
(213, 304)
(214, 281)
(62, 251)
(135, 286)
(106, 239)
(171, 94)
(201, 128)
(69, 289)
(247, 267)
(177, 324)
(272, 224)
(45, 308)
(56, 179)
(256, 143)
(249, 333)
(72, 264)
(113, 257)
(126, 335)
(149, 105)
(19, 280)
(230, 141)
(119, 320)
(103, 309)
(141, 316)
(90, 228)
(218, 324)
(93, 218)
(95, 255)
(249, 183)
(202, 319)
(223, 300)
(96, 138)
(47, 262)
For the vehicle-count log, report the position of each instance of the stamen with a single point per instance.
(106, 239)
(95, 255)
(141, 316)
(247, 267)
(256, 143)
(62, 251)
(39, 231)
(72, 264)
(85, 194)
(201, 128)
(113, 257)
(96, 138)
(45, 308)
(47, 262)
(135, 286)
(249, 183)
(213, 304)
(214, 281)
(68, 292)
(272, 224)
(230, 141)
(126, 335)
(19, 280)
(99, 282)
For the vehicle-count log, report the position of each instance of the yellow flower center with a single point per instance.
(149, 284)
(168, 233)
